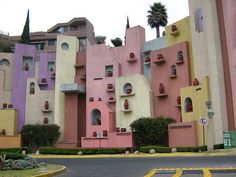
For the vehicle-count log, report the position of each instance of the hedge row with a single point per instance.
(191, 149)
(144, 149)
(218, 146)
(159, 149)
(11, 150)
(85, 151)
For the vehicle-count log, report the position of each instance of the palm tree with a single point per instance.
(157, 16)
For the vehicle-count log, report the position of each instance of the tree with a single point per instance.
(127, 23)
(157, 16)
(34, 136)
(116, 42)
(25, 36)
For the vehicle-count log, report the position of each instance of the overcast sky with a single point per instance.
(107, 16)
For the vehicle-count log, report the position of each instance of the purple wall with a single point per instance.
(20, 80)
(44, 72)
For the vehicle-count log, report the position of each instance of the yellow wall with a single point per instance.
(65, 74)
(10, 141)
(140, 100)
(184, 29)
(8, 121)
(199, 95)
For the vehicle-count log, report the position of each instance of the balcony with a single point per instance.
(72, 88)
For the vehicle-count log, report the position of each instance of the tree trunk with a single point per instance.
(157, 31)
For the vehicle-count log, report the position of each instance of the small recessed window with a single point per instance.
(4, 62)
(65, 46)
(27, 63)
(96, 117)
(173, 70)
(32, 88)
(199, 20)
(51, 66)
(109, 71)
(127, 88)
(180, 56)
(52, 42)
(188, 105)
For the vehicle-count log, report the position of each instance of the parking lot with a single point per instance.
(192, 172)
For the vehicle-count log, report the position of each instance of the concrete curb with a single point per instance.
(175, 154)
(49, 174)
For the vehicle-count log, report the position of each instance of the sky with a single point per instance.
(107, 16)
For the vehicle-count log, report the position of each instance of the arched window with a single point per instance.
(188, 105)
(32, 88)
(180, 56)
(4, 62)
(96, 117)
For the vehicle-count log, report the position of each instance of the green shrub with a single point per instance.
(116, 42)
(14, 156)
(38, 135)
(159, 149)
(183, 149)
(100, 39)
(218, 146)
(151, 131)
(11, 150)
(198, 148)
(85, 151)
(191, 148)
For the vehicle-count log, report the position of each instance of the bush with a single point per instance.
(100, 39)
(159, 149)
(11, 150)
(35, 136)
(191, 148)
(198, 148)
(151, 131)
(183, 149)
(116, 42)
(218, 146)
(85, 151)
(14, 156)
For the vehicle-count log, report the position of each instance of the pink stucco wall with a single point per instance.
(80, 67)
(182, 134)
(167, 105)
(100, 56)
(229, 13)
(113, 140)
(71, 114)
(107, 118)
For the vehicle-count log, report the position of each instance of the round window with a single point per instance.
(127, 88)
(65, 46)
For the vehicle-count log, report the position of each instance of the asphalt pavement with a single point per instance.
(140, 165)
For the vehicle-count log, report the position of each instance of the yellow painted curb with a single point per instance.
(176, 154)
(49, 174)
(151, 173)
(206, 172)
(178, 173)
